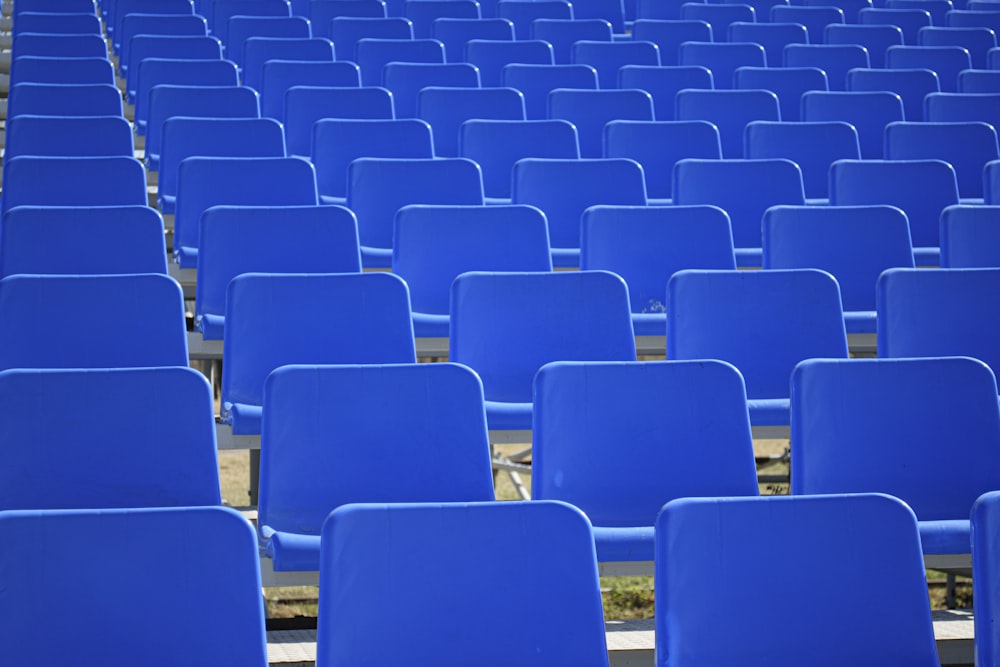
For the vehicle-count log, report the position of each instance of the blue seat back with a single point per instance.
(157, 24)
(322, 13)
(668, 35)
(647, 245)
(280, 75)
(80, 136)
(305, 105)
(788, 83)
(815, 19)
(555, 552)
(973, 18)
(455, 32)
(111, 446)
(853, 243)
(217, 584)
(784, 316)
(849, 7)
(223, 10)
(663, 83)
(946, 61)
(836, 418)
(506, 326)
(834, 59)
(979, 81)
(433, 245)
(970, 236)
(258, 50)
(922, 188)
(563, 33)
(73, 181)
(119, 9)
(406, 80)
(966, 146)
(445, 109)
(952, 107)
(58, 45)
(612, 11)
(868, 112)
(60, 6)
(48, 69)
(719, 16)
(423, 13)
(586, 413)
(608, 57)
(730, 111)
(536, 82)
(334, 435)
(943, 312)
(522, 15)
(64, 322)
(82, 240)
(178, 72)
(813, 146)
(373, 54)
(60, 23)
(977, 41)
(715, 561)
(936, 8)
(911, 85)
(268, 239)
(772, 36)
(591, 110)
(177, 47)
(984, 572)
(910, 20)
(722, 58)
(491, 56)
(874, 38)
(346, 31)
(241, 28)
(64, 99)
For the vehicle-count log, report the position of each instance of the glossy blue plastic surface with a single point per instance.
(305, 105)
(119, 9)
(242, 27)
(346, 31)
(164, 71)
(951, 107)
(272, 239)
(985, 585)
(868, 111)
(157, 24)
(664, 82)
(970, 237)
(991, 182)
(223, 10)
(720, 16)
(64, 99)
(967, 146)
(372, 55)
(491, 56)
(43, 69)
(814, 146)
(563, 33)
(910, 21)
(894, 414)
(62, 23)
(422, 13)
(730, 111)
(135, 437)
(762, 322)
(59, 46)
(591, 110)
(280, 75)
(815, 19)
(910, 84)
(432, 245)
(73, 181)
(454, 33)
(647, 245)
(946, 61)
(322, 13)
(536, 82)
(942, 312)
(788, 83)
(608, 57)
(979, 81)
(124, 591)
(722, 58)
(187, 47)
(258, 50)
(976, 40)
(71, 136)
(834, 59)
(82, 240)
(104, 321)
(875, 38)
(274, 320)
(445, 109)
(796, 563)
(405, 80)
(772, 36)
(334, 435)
(522, 15)
(429, 579)
(596, 444)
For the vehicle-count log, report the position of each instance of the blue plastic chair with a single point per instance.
(977, 41)
(946, 61)
(868, 112)
(185, 137)
(242, 28)
(163, 71)
(536, 82)
(31, 180)
(912, 85)
(660, 10)
(95, 321)
(157, 24)
(268, 239)
(491, 56)
(455, 32)
(658, 145)
(176, 47)
(608, 57)
(938, 9)
(373, 55)
(813, 146)
(433, 245)
(668, 35)
(322, 13)
(433, 584)
(612, 11)
(849, 7)
(122, 8)
(258, 50)
(588, 413)
(305, 105)
(909, 20)
(899, 437)
(978, 18)
(922, 188)
(591, 110)
(647, 245)
(853, 243)
(81, 136)
(223, 10)
(984, 582)
(815, 19)
(957, 107)
(522, 14)
(722, 59)
(874, 38)
(788, 83)
(334, 435)
(347, 31)
(742, 188)
(730, 111)
(203, 182)
(280, 75)
(979, 81)
(445, 109)
(506, 326)
(563, 33)
(60, 6)
(405, 80)
(719, 16)
(564, 189)
(58, 45)
(166, 101)
(716, 565)
(340, 318)
(772, 36)
(966, 146)
(495, 145)
(44, 69)
(969, 237)
(834, 59)
(111, 447)
(785, 317)
(216, 584)
(423, 13)
(49, 239)
(378, 187)
(943, 312)
(60, 23)
(336, 142)
(64, 99)
(991, 182)
(663, 83)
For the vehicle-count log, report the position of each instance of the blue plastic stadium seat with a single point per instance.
(491, 56)
(722, 59)
(874, 38)
(730, 111)
(423, 13)
(979, 81)
(668, 35)
(405, 80)
(612, 11)
(60, 23)
(118, 10)
(977, 41)
(966, 146)
(953, 107)
(334, 435)
(536, 82)
(454, 33)
(664, 82)
(970, 237)
(31, 180)
(242, 28)
(69, 136)
(788, 83)
(834, 59)
(280, 75)
(177, 72)
(445, 109)
(608, 57)
(347, 31)
(522, 14)
(815, 19)
(45, 69)
(305, 105)
(64, 99)
(911, 85)
(372, 55)
(868, 112)
(258, 50)
(157, 24)
(720, 16)
(909, 20)
(563, 33)
(984, 571)
(322, 13)
(946, 61)
(176, 47)
(591, 110)
(772, 36)
(223, 10)
(851, 8)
